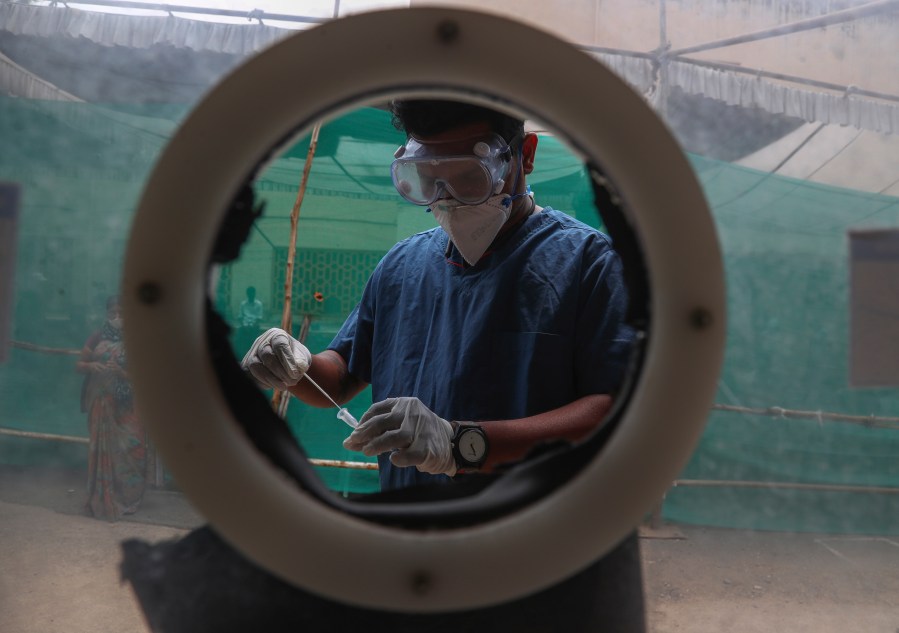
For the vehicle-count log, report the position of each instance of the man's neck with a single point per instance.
(525, 207)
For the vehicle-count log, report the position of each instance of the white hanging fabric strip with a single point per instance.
(637, 71)
(17, 81)
(752, 91)
(111, 29)
(244, 39)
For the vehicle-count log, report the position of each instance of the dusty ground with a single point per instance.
(731, 580)
(59, 569)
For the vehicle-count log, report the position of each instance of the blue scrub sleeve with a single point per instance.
(354, 339)
(602, 338)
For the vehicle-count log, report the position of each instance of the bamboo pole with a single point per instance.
(291, 250)
(301, 337)
(871, 421)
(703, 483)
(339, 463)
(31, 347)
(45, 436)
(663, 61)
(784, 485)
(326, 463)
(256, 14)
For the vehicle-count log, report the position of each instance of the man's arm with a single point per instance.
(416, 436)
(512, 440)
(329, 371)
(276, 360)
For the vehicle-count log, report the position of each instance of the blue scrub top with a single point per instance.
(536, 324)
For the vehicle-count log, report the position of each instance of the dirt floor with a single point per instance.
(59, 569)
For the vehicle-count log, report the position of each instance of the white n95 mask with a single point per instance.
(472, 228)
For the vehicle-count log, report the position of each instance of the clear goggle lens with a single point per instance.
(421, 177)
(425, 181)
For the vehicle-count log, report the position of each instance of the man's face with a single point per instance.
(459, 141)
(422, 181)
(468, 163)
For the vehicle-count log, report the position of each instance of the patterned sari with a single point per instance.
(117, 465)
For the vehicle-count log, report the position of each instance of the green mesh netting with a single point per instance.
(82, 168)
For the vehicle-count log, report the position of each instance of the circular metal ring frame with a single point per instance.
(318, 73)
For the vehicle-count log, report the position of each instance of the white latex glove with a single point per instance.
(417, 435)
(277, 360)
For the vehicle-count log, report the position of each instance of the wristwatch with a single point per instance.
(469, 445)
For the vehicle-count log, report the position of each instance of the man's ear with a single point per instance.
(528, 151)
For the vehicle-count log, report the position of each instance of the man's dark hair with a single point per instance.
(426, 117)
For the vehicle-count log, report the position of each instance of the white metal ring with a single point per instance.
(321, 72)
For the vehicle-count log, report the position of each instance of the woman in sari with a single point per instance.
(117, 465)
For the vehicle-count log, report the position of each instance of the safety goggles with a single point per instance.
(423, 173)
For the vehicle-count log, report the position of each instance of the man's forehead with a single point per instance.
(458, 140)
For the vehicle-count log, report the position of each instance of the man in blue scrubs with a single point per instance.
(500, 330)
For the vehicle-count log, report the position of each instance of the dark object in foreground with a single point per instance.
(200, 584)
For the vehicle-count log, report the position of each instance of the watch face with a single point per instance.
(472, 445)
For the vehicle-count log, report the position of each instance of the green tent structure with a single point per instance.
(788, 444)
(81, 168)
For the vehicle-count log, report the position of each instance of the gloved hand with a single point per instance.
(277, 360)
(418, 436)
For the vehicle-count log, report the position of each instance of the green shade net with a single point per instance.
(82, 168)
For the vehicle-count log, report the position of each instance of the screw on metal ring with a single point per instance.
(149, 292)
(700, 318)
(421, 582)
(448, 31)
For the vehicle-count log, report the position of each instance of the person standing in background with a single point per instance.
(118, 460)
(249, 318)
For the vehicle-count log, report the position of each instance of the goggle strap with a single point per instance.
(510, 199)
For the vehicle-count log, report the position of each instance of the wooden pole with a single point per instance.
(301, 337)
(663, 59)
(291, 250)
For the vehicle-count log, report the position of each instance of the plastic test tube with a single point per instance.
(342, 413)
(347, 417)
